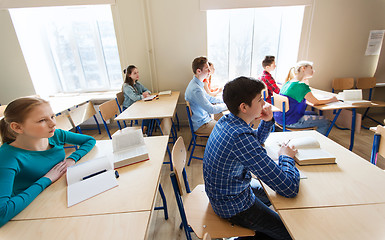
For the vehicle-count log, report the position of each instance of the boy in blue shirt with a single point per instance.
(234, 150)
(201, 103)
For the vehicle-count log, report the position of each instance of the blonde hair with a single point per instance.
(295, 70)
(17, 111)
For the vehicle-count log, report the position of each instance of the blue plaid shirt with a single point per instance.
(233, 151)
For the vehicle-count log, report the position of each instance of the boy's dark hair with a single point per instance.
(268, 61)
(241, 90)
(198, 63)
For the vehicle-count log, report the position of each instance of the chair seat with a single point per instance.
(202, 218)
(295, 129)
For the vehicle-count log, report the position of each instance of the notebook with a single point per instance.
(128, 147)
(89, 179)
(353, 96)
(168, 92)
(310, 152)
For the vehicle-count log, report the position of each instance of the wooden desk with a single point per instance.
(108, 226)
(351, 181)
(164, 107)
(138, 186)
(347, 222)
(343, 105)
(62, 104)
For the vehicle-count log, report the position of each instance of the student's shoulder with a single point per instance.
(8, 156)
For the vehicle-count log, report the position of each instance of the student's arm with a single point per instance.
(282, 178)
(271, 85)
(313, 100)
(129, 91)
(203, 100)
(206, 87)
(266, 125)
(143, 88)
(85, 142)
(10, 205)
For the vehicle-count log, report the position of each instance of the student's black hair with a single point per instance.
(241, 90)
(268, 61)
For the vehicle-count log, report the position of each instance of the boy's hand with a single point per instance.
(267, 113)
(288, 151)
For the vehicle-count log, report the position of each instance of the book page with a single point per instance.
(304, 154)
(76, 172)
(304, 142)
(127, 140)
(352, 95)
(130, 153)
(168, 92)
(149, 98)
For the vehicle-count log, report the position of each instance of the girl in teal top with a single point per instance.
(297, 90)
(32, 155)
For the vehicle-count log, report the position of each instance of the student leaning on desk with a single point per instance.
(234, 150)
(297, 90)
(32, 155)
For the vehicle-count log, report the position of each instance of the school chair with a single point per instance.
(64, 122)
(194, 136)
(82, 113)
(378, 146)
(206, 236)
(341, 84)
(109, 110)
(367, 83)
(195, 209)
(119, 100)
(282, 103)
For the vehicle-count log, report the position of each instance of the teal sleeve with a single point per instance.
(10, 205)
(85, 142)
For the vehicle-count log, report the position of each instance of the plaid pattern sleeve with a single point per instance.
(233, 151)
(270, 84)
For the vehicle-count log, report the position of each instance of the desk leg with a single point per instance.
(353, 129)
(333, 122)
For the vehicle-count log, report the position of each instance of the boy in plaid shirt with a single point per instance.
(268, 65)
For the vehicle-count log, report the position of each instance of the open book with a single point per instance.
(89, 179)
(353, 96)
(149, 98)
(310, 152)
(128, 147)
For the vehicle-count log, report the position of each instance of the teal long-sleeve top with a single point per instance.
(22, 171)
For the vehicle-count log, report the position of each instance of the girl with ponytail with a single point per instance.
(297, 90)
(32, 154)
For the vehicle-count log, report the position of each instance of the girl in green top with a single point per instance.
(297, 90)
(32, 155)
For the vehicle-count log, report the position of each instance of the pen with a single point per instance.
(94, 174)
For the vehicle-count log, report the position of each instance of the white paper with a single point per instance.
(374, 42)
(79, 190)
(168, 92)
(149, 98)
(127, 139)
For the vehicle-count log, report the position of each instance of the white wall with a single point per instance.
(163, 37)
(14, 77)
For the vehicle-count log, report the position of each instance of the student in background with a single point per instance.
(132, 89)
(207, 83)
(268, 65)
(297, 90)
(202, 104)
(234, 150)
(32, 155)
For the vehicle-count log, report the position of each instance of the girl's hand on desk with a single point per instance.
(145, 94)
(288, 151)
(334, 99)
(57, 171)
(69, 162)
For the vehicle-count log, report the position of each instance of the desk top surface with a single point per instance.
(346, 222)
(163, 107)
(138, 184)
(132, 225)
(353, 180)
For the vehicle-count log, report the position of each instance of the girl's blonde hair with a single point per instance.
(17, 111)
(295, 70)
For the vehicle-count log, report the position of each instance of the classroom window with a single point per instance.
(69, 49)
(239, 39)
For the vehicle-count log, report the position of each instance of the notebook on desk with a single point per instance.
(88, 179)
(353, 96)
(149, 98)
